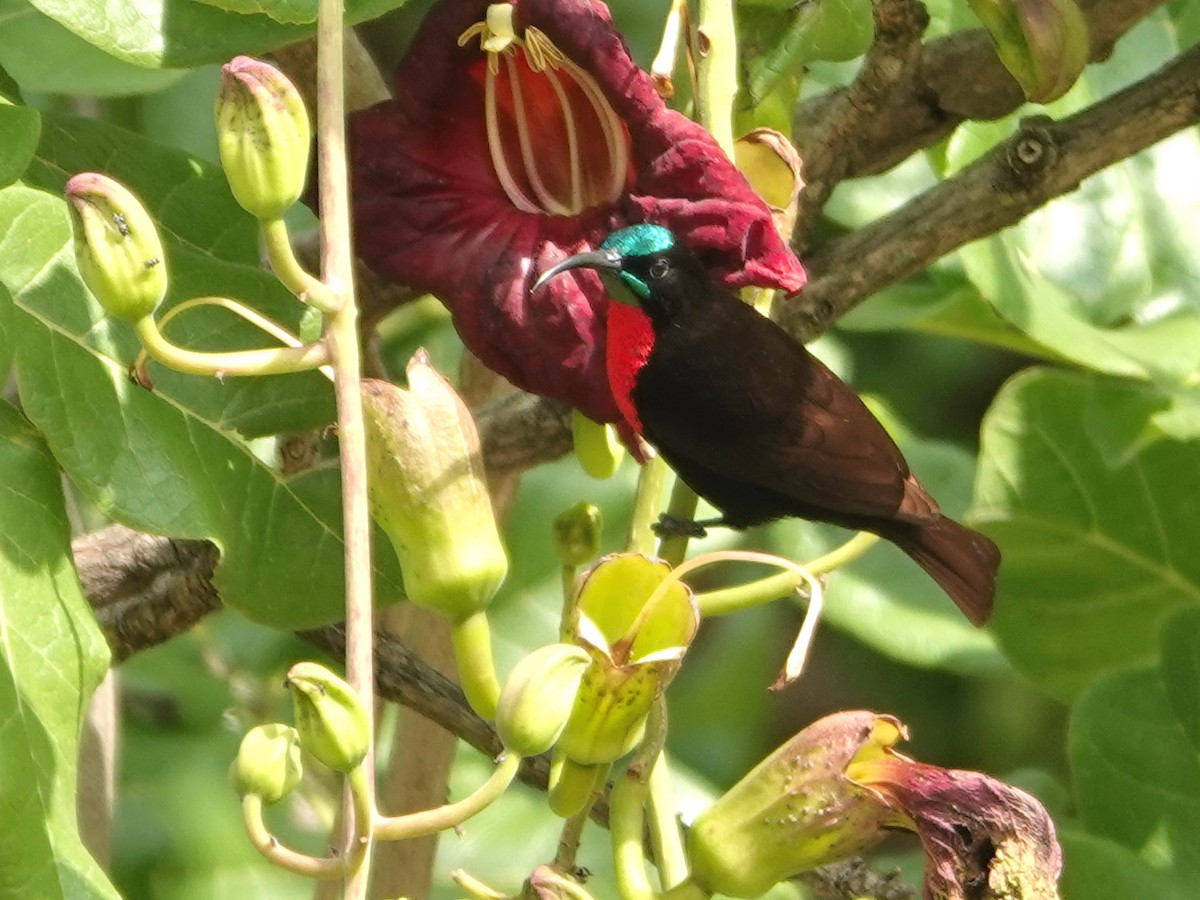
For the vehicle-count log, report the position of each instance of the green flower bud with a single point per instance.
(117, 248)
(429, 493)
(636, 637)
(795, 810)
(577, 534)
(330, 719)
(597, 446)
(268, 762)
(1044, 44)
(536, 700)
(263, 134)
(572, 784)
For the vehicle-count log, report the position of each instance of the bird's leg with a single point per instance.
(672, 526)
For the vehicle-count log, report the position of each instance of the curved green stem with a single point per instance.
(646, 504)
(289, 271)
(431, 821)
(265, 361)
(685, 890)
(472, 639)
(625, 821)
(665, 835)
(268, 845)
(764, 590)
(255, 318)
(475, 889)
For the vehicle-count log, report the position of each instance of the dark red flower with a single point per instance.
(511, 145)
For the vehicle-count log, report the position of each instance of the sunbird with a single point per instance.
(753, 422)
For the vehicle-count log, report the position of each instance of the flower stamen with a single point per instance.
(496, 147)
(549, 202)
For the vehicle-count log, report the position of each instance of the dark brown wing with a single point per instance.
(733, 394)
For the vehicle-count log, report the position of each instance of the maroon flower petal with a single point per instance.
(982, 838)
(431, 211)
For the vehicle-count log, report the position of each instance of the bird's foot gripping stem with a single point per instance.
(673, 526)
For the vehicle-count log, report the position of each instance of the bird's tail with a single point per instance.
(962, 561)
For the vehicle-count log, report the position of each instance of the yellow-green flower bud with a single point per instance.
(117, 248)
(263, 135)
(330, 719)
(1044, 44)
(429, 494)
(536, 700)
(795, 810)
(636, 635)
(597, 446)
(268, 762)
(577, 534)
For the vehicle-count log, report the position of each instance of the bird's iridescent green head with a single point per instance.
(620, 247)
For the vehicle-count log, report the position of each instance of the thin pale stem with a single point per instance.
(268, 845)
(337, 273)
(646, 504)
(569, 838)
(663, 67)
(265, 361)
(764, 590)
(289, 271)
(673, 547)
(475, 889)
(716, 70)
(665, 835)
(431, 821)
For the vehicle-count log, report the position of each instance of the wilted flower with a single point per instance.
(522, 133)
(982, 838)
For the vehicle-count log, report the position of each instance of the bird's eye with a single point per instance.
(659, 268)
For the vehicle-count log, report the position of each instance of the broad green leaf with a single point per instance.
(44, 55)
(181, 33)
(1096, 557)
(289, 12)
(19, 129)
(1098, 869)
(168, 461)
(1137, 777)
(1097, 276)
(1181, 670)
(52, 656)
(9, 89)
(6, 337)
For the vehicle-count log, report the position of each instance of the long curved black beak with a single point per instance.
(609, 259)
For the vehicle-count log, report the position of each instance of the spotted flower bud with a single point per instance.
(1043, 43)
(429, 493)
(263, 135)
(536, 700)
(330, 719)
(795, 810)
(117, 248)
(577, 534)
(268, 762)
(636, 636)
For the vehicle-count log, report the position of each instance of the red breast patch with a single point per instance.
(630, 340)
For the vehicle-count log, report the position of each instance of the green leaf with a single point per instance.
(289, 12)
(1099, 869)
(19, 130)
(1096, 556)
(168, 461)
(52, 656)
(180, 33)
(1137, 777)
(1095, 275)
(1181, 670)
(46, 56)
